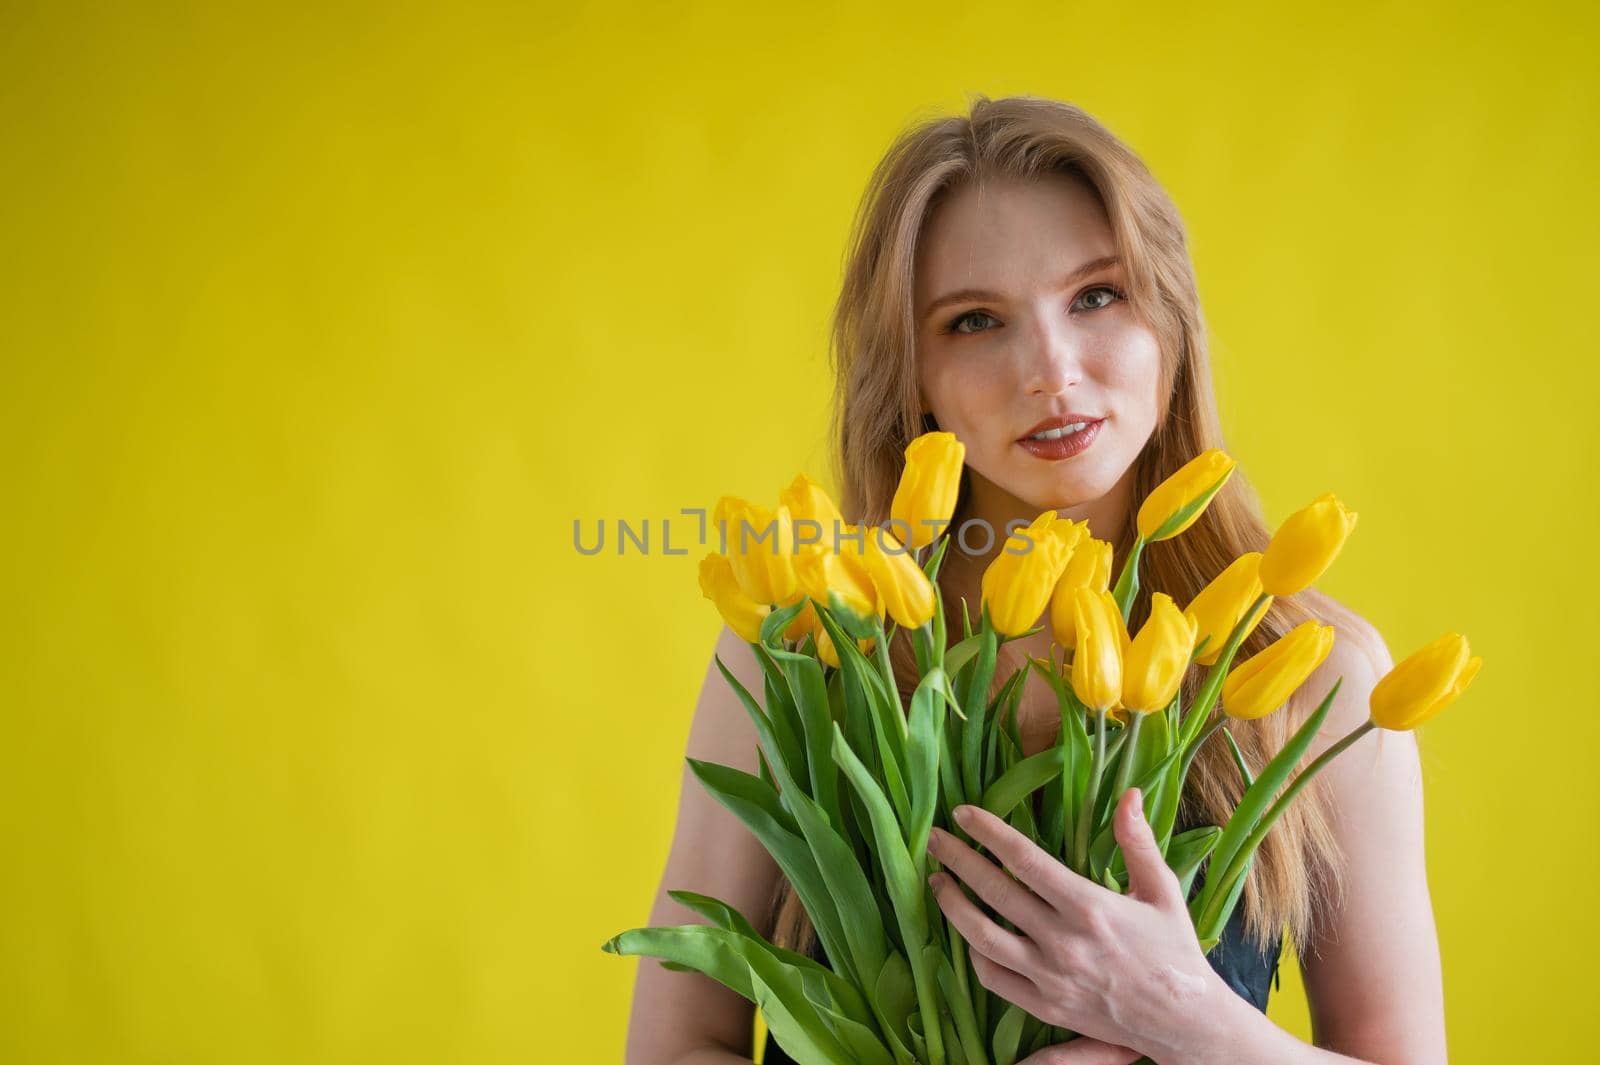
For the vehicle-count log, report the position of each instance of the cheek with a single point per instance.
(959, 391)
(1130, 371)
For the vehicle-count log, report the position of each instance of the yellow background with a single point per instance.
(323, 323)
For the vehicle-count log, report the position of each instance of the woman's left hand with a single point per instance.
(1126, 970)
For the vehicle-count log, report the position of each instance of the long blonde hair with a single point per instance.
(876, 413)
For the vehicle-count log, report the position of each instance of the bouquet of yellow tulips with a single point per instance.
(852, 777)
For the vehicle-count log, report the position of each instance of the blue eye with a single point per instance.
(955, 323)
(1112, 295)
(1116, 294)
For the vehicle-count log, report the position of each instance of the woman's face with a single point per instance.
(1023, 329)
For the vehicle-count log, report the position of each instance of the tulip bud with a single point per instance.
(926, 496)
(1089, 567)
(1017, 584)
(804, 622)
(1158, 657)
(830, 654)
(760, 545)
(903, 588)
(838, 581)
(1261, 684)
(1178, 501)
(718, 584)
(1219, 605)
(1424, 683)
(1102, 644)
(1305, 545)
(809, 502)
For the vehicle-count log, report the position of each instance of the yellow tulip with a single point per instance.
(1424, 683)
(1158, 657)
(1177, 502)
(1089, 567)
(804, 622)
(1219, 605)
(830, 654)
(760, 545)
(1305, 545)
(1017, 584)
(1261, 684)
(718, 584)
(926, 495)
(839, 582)
(1102, 644)
(903, 587)
(809, 502)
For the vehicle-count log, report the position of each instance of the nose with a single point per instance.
(1053, 361)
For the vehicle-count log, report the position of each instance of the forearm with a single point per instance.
(1227, 1030)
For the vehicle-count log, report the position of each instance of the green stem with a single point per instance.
(880, 645)
(1209, 914)
(1207, 698)
(1130, 750)
(1080, 839)
(1128, 580)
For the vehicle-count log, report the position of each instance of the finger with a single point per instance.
(1007, 983)
(1048, 878)
(981, 933)
(1149, 876)
(994, 885)
(1083, 1051)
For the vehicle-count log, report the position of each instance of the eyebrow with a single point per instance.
(980, 295)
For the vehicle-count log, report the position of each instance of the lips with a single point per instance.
(1059, 421)
(1068, 435)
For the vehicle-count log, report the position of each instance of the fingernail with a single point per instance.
(933, 841)
(1138, 804)
(962, 815)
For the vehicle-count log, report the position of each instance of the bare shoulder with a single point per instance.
(1359, 659)
(1372, 969)
(712, 853)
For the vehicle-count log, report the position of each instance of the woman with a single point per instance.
(1018, 278)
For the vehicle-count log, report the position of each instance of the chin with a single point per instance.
(1063, 484)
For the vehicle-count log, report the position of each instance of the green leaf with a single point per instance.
(922, 754)
(896, 996)
(783, 720)
(1213, 934)
(888, 726)
(969, 1037)
(935, 560)
(1186, 512)
(1008, 1034)
(773, 826)
(1188, 849)
(862, 1040)
(1022, 780)
(1257, 797)
(975, 702)
(747, 967)
(1127, 586)
(961, 655)
(907, 890)
(1238, 759)
(810, 694)
(766, 770)
(794, 1023)
(773, 624)
(843, 993)
(950, 770)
